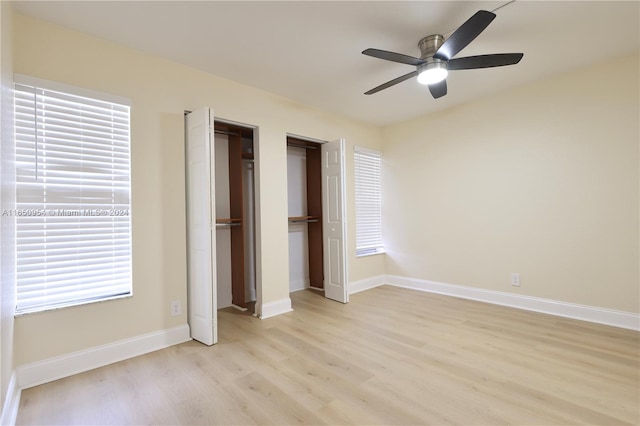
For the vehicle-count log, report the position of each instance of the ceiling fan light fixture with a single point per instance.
(432, 72)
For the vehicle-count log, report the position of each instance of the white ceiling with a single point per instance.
(309, 51)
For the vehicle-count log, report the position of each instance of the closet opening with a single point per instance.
(235, 216)
(304, 190)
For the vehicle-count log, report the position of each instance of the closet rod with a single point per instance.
(304, 221)
(227, 225)
(224, 132)
(301, 146)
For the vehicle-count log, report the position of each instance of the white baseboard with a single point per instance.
(40, 372)
(11, 402)
(297, 285)
(278, 307)
(605, 316)
(366, 284)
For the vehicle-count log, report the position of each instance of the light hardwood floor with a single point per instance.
(391, 356)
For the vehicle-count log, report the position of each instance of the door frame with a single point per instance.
(210, 293)
(344, 207)
(256, 206)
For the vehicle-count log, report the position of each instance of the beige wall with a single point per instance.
(7, 232)
(160, 91)
(541, 180)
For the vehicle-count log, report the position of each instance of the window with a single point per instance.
(73, 223)
(368, 177)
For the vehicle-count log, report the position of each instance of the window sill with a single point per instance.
(71, 305)
(370, 254)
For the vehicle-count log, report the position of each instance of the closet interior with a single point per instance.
(235, 216)
(304, 190)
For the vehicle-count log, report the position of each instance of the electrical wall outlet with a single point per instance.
(176, 308)
(515, 279)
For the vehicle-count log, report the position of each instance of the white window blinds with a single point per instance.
(73, 222)
(368, 190)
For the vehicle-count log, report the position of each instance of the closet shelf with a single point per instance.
(303, 219)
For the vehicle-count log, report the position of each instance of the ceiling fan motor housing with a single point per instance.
(430, 45)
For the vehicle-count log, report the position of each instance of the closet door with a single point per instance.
(334, 221)
(201, 233)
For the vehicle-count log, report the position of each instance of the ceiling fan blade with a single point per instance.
(393, 57)
(464, 35)
(484, 61)
(392, 83)
(438, 90)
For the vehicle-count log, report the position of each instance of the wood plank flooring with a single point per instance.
(391, 356)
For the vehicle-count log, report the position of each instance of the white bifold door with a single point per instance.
(201, 230)
(334, 221)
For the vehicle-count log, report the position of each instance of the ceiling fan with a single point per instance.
(437, 56)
